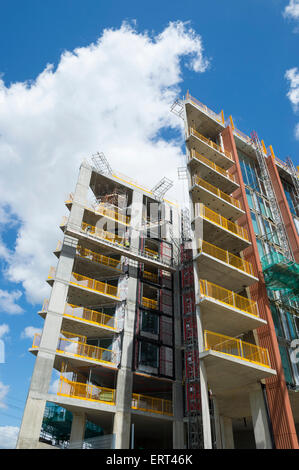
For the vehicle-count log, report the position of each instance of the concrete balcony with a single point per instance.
(215, 199)
(224, 268)
(223, 311)
(87, 289)
(209, 149)
(104, 210)
(78, 353)
(93, 393)
(220, 231)
(116, 244)
(232, 364)
(212, 173)
(84, 321)
(207, 121)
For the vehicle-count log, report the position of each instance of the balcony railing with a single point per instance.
(217, 219)
(151, 404)
(150, 276)
(150, 303)
(69, 388)
(212, 165)
(210, 143)
(226, 257)
(103, 234)
(228, 297)
(236, 348)
(92, 256)
(209, 187)
(218, 117)
(93, 284)
(90, 316)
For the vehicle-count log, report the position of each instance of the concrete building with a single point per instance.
(112, 322)
(177, 329)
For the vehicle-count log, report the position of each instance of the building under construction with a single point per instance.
(170, 328)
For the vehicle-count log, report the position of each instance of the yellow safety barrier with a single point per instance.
(149, 303)
(226, 257)
(107, 261)
(151, 404)
(64, 221)
(237, 348)
(200, 182)
(218, 117)
(112, 214)
(90, 316)
(150, 276)
(36, 340)
(213, 165)
(228, 297)
(93, 284)
(52, 272)
(210, 143)
(69, 388)
(80, 349)
(103, 234)
(45, 305)
(217, 219)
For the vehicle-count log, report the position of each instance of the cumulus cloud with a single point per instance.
(8, 301)
(29, 332)
(3, 329)
(292, 10)
(8, 437)
(292, 75)
(4, 389)
(112, 96)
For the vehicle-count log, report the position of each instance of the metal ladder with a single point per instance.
(278, 220)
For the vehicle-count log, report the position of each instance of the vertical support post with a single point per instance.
(260, 420)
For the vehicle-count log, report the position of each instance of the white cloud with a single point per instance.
(292, 10)
(29, 332)
(3, 329)
(112, 96)
(8, 301)
(8, 437)
(4, 389)
(292, 75)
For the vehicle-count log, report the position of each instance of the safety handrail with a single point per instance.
(225, 256)
(228, 297)
(90, 316)
(70, 388)
(210, 143)
(206, 161)
(150, 303)
(237, 348)
(151, 404)
(91, 255)
(93, 284)
(204, 184)
(221, 221)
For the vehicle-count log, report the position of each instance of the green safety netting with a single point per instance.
(57, 422)
(281, 274)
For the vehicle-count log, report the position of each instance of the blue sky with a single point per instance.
(249, 46)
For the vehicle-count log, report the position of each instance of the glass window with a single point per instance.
(262, 206)
(150, 323)
(249, 198)
(254, 223)
(260, 248)
(148, 354)
(286, 364)
(276, 321)
(291, 325)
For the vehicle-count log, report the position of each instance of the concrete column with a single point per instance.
(217, 424)
(260, 420)
(227, 436)
(77, 430)
(122, 417)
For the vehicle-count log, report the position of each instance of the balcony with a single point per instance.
(104, 210)
(232, 364)
(83, 391)
(224, 311)
(212, 173)
(222, 232)
(209, 149)
(119, 245)
(216, 199)
(221, 266)
(78, 351)
(149, 303)
(92, 285)
(99, 263)
(81, 320)
(69, 388)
